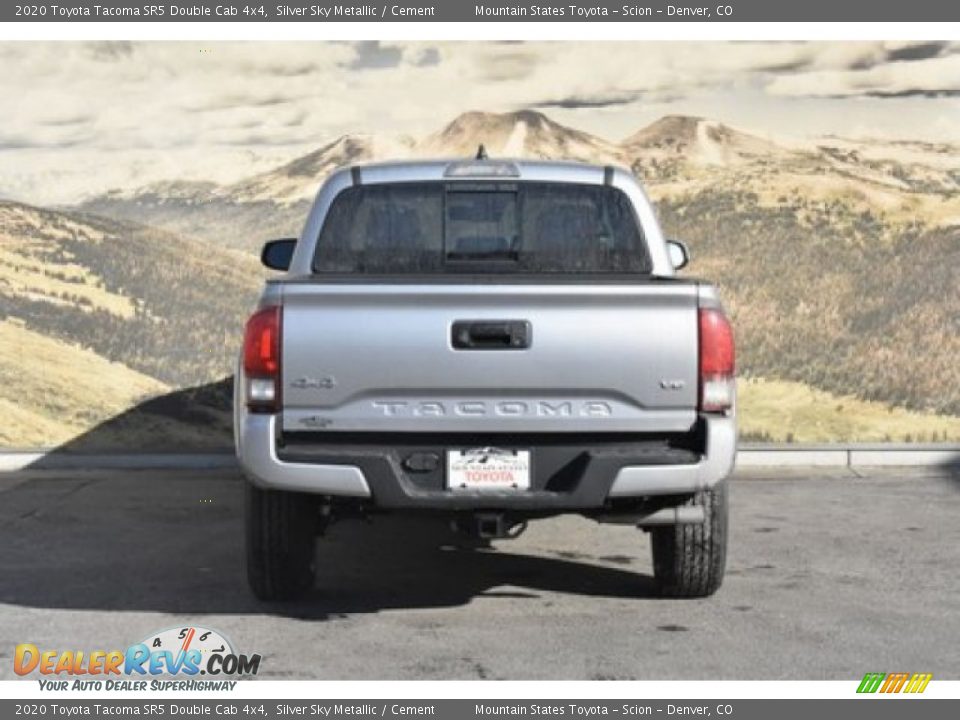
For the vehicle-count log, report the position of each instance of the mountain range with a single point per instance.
(675, 156)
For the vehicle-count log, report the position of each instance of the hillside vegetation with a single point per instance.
(165, 306)
(784, 411)
(51, 390)
(838, 300)
(97, 316)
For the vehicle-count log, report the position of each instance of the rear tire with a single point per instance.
(689, 560)
(280, 536)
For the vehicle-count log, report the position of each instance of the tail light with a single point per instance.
(261, 360)
(717, 384)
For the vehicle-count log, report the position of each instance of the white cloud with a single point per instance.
(938, 75)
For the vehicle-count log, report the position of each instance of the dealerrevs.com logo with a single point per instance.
(185, 652)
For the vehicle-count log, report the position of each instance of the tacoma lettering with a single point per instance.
(503, 408)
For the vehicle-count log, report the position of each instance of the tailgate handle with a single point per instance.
(491, 335)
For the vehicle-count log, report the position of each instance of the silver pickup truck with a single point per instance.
(494, 341)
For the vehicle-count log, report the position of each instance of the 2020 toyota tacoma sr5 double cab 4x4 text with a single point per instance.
(495, 341)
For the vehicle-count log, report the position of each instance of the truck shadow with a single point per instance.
(172, 541)
(406, 562)
(108, 550)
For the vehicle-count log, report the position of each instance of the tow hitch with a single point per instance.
(490, 526)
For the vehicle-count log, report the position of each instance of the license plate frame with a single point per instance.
(489, 469)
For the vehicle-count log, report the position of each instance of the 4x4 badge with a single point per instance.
(305, 383)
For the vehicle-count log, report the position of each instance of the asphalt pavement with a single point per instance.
(831, 573)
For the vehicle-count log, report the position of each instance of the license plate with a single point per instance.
(488, 468)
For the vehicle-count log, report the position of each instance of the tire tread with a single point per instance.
(280, 534)
(689, 560)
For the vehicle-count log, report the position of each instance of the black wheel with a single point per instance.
(281, 532)
(689, 559)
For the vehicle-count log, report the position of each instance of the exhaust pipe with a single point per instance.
(682, 515)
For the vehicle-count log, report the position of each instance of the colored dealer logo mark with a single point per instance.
(894, 682)
(175, 651)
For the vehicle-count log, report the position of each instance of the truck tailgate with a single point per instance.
(381, 357)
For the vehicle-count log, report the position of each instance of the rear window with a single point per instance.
(482, 227)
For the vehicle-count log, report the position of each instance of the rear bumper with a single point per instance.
(716, 463)
(256, 447)
(571, 475)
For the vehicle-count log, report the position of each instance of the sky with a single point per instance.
(82, 118)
